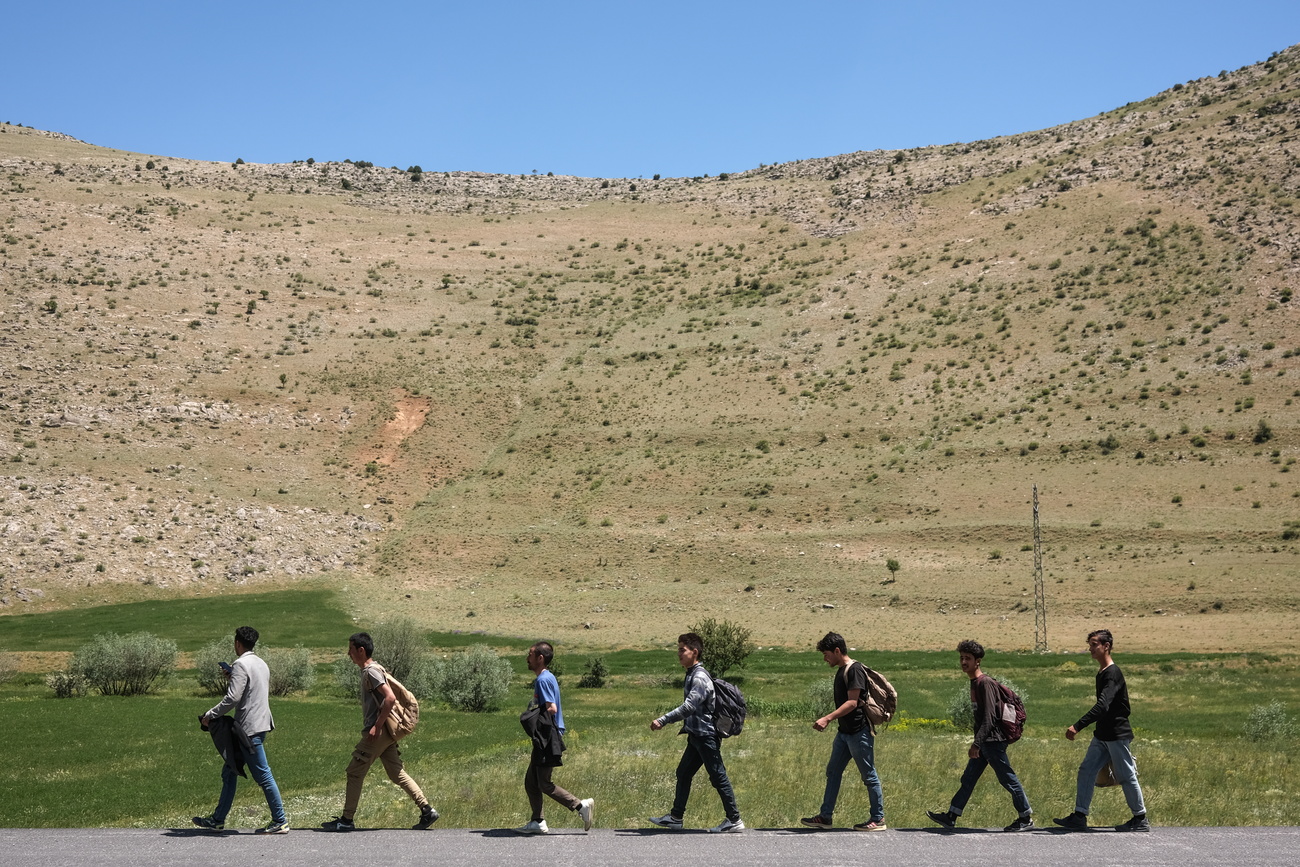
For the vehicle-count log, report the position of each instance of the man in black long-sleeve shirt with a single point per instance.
(1111, 741)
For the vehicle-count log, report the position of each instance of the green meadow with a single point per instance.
(121, 762)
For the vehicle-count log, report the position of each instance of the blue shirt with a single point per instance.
(546, 690)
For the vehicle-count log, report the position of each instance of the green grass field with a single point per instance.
(100, 761)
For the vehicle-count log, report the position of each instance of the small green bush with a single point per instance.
(291, 669)
(1267, 722)
(961, 713)
(125, 664)
(67, 684)
(8, 666)
(206, 669)
(347, 677)
(726, 644)
(400, 646)
(593, 674)
(474, 681)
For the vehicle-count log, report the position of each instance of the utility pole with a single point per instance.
(1040, 596)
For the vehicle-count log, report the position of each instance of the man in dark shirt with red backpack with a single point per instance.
(1111, 741)
(854, 740)
(989, 746)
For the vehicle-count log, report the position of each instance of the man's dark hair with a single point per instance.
(247, 636)
(832, 641)
(1105, 637)
(363, 641)
(545, 651)
(974, 648)
(693, 641)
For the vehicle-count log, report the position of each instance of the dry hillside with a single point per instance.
(600, 409)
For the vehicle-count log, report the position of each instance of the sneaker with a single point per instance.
(1076, 821)
(816, 822)
(338, 823)
(1022, 823)
(274, 828)
(428, 816)
(207, 823)
(667, 820)
(947, 818)
(1137, 823)
(533, 827)
(873, 825)
(587, 810)
(728, 826)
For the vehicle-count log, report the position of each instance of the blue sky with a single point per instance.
(599, 89)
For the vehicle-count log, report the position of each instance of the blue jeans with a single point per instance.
(260, 771)
(992, 753)
(861, 747)
(703, 751)
(1119, 754)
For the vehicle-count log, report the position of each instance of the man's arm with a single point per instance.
(234, 692)
(697, 698)
(850, 704)
(989, 699)
(1105, 697)
(386, 701)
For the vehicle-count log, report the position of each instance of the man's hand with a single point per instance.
(974, 751)
(655, 725)
(1070, 733)
(373, 731)
(821, 724)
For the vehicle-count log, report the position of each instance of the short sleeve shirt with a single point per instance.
(546, 690)
(372, 677)
(854, 678)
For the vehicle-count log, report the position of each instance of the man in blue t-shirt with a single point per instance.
(537, 779)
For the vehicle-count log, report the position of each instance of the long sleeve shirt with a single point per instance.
(697, 704)
(985, 698)
(1111, 711)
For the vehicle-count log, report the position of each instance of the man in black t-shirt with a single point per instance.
(854, 740)
(1111, 741)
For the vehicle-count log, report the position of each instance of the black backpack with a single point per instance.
(1011, 712)
(729, 708)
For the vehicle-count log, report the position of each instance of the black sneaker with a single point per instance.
(818, 822)
(1137, 823)
(1023, 823)
(1076, 821)
(207, 823)
(427, 817)
(947, 818)
(338, 823)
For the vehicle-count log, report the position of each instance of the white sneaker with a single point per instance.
(586, 809)
(667, 820)
(531, 828)
(728, 827)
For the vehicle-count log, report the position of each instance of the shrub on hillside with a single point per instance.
(1267, 722)
(594, 674)
(400, 646)
(131, 664)
(475, 681)
(291, 669)
(726, 644)
(67, 684)
(961, 713)
(207, 670)
(8, 666)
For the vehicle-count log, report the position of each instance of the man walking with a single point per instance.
(246, 693)
(703, 747)
(377, 701)
(854, 737)
(548, 723)
(989, 746)
(1111, 741)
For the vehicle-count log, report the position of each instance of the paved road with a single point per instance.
(1167, 847)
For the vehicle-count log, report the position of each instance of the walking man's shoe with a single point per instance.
(1023, 823)
(1137, 823)
(207, 823)
(1076, 821)
(587, 810)
(728, 826)
(667, 820)
(818, 822)
(533, 827)
(338, 823)
(873, 825)
(274, 828)
(428, 816)
(947, 818)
